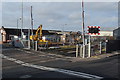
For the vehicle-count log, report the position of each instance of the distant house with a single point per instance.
(2, 35)
(104, 35)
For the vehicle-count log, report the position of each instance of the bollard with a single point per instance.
(89, 50)
(100, 47)
(77, 50)
(81, 50)
(29, 44)
(36, 45)
(105, 47)
(89, 47)
(83, 56)
(33, 45)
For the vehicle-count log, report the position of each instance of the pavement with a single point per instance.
(96, 57)
(75, 59)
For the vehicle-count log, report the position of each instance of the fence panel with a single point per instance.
(112, 45)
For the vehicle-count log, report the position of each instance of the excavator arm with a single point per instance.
(38, 35)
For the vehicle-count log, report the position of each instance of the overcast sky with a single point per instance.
(61, 15)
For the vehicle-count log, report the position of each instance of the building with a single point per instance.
(50, 35)
(114, 45)
(9, 33)
(104, 35)
(2, 35)
(116, 33)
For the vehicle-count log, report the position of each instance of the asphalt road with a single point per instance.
(14, 70)
(106, 67)
(18, 71)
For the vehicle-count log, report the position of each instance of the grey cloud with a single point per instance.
(101, 6)
(54, 15)
(75, 15)
(51, 20)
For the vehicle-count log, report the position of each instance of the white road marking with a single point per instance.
(50, 55)
(7, 49)
(26, 51)
(25, 76)
(69, 72)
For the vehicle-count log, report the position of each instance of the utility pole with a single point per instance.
(83, 34)
(31, 21)
(32, 27)
(17, 27)
(22, 22)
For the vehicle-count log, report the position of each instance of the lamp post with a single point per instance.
(21, 21)
(17, 27)
(31, 21)
(64, 35)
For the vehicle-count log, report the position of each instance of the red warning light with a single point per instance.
(98, 33)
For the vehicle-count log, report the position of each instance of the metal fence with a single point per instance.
(98, 48)
(92, 49)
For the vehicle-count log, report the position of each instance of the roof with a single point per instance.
(14, 31)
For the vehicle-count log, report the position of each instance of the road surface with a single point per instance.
(46, 65)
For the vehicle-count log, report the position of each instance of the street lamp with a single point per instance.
(17, 27)
(21, 26)
(64, 39)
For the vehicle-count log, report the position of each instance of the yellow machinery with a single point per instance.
(38, 36)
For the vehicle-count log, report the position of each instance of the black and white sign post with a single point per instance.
(93, 30)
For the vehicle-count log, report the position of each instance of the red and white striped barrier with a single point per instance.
(93, 26)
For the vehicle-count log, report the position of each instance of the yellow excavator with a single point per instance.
(38, 36)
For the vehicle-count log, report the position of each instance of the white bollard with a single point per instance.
(29, 44)
(83, 56)
(77, 50)
(100, 47)
(81, 52)
(89, 47)
(36, 45)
